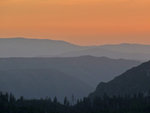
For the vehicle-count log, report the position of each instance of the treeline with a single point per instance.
(9, 104)
(117, 104)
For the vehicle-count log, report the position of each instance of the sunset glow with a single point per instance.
(84, 22)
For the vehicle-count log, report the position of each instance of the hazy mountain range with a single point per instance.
(125, 51)
(133, 81)
(22, 47)
(41, 77)
(42, 83)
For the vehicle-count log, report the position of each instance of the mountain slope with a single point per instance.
(88, 69)
(40, 83)
(133, 81)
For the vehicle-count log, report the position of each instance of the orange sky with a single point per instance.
(84, 22)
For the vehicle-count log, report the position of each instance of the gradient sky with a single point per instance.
(84, 22)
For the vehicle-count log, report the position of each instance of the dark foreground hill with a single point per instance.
(134, 81)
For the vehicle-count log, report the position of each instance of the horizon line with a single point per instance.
(107, 44)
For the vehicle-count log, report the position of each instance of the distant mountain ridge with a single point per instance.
(124, 51)
(24, 47)
(134, 81)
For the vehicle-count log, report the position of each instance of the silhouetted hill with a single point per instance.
(135, 80)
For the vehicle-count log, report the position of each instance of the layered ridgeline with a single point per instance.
(42, 83)
(134, 81)
(22, 47)
(41, 77)
(125, 51)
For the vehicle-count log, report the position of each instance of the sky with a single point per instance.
(83, 22)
